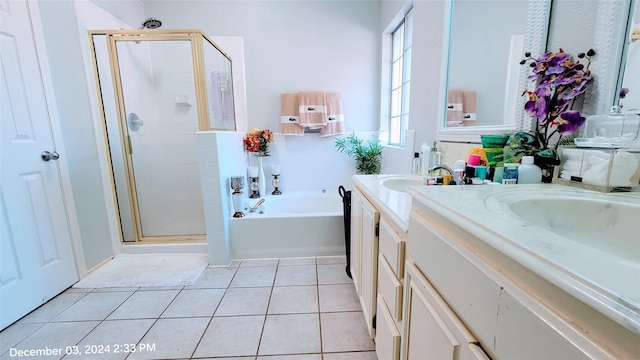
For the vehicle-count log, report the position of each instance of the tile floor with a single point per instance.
(264, 309)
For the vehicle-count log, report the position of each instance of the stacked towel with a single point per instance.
(312, 109)
(289, 115)
(455, 100)
(335, 116)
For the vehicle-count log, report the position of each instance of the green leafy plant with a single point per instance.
(368, 155)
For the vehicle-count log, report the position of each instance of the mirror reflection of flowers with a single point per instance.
(560, 82)
(258, 140)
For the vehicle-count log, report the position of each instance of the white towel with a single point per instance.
(289, 116)
(312, 109)
(335, 116)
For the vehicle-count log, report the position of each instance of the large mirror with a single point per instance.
(484, 80)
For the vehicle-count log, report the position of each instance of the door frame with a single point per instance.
(56, 133)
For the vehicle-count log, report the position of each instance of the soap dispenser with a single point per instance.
(425, 165)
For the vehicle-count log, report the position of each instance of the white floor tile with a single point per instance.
(173, 338)
(338, 297)
(55, 336)
(16, 333)
(296, 275)
(244, 301)
(290, 334)
(194, 303)
(363, 355)
(294, 300)
(94, 306)
(53, 307)
(326, 260)
(231, 336)
(214, 278)
(292, 357)
(259, 262)
(344, 332)
(253, 277)
(117, 335)
(297, 261)
(144, 305)
(333, 274)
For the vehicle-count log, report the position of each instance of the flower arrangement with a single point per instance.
(258, 140)
(560, 82)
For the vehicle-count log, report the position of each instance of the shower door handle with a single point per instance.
(46, 155)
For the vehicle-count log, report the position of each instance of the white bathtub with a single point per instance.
(293, 224)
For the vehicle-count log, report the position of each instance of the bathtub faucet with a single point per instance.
(255, 207)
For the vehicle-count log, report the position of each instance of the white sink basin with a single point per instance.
(401, 183)
(595, 221)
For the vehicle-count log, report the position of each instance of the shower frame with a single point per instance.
(196, 38)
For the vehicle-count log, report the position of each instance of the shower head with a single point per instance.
(151, 23)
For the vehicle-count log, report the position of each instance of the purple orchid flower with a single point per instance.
(572, 121)
(559, 63)
(623, 93)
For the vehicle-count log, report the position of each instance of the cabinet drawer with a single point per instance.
(390, 288)
(387, 334)
(392, 246)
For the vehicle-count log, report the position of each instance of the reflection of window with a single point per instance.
(400, 68)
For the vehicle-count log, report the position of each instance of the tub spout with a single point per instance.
(255, 207)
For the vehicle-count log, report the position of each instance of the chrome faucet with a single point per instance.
(441, 167)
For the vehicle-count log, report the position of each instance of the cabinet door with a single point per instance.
(431, 329)
(387, 334)
(356, 239)
(369, 263)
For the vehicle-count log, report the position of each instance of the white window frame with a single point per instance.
(396, 116)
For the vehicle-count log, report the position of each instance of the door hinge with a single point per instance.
(373, 321)
(377, 229)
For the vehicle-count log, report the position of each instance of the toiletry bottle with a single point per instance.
(415, 167)
(426, 159)
(436, 155)
(528, 172)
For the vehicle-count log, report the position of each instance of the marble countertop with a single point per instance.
(607, 282)
(395, 205)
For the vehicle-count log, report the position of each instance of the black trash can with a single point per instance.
(346, 208)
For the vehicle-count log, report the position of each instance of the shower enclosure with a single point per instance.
(157, 89)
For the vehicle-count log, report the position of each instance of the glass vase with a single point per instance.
(262, 181)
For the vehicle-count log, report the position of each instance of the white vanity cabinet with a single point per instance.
(461, 304)
(390, 290)
(364, 255)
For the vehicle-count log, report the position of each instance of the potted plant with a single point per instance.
(368, 155)
(560, 81)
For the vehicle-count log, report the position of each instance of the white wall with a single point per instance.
(63, 44)
(293, 46)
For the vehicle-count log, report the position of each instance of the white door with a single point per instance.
(37, 260)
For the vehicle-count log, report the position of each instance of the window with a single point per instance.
(400, 71)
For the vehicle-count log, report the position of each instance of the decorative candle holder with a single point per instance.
(254, 187)
(237, 184)
(276, 183)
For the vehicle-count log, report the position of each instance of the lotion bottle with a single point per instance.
(528, 172)
(425, 165)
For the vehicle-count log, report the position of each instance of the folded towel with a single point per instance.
(469, 103)
(335, 116)
(454, 108)
(289, 116)
(312, 109)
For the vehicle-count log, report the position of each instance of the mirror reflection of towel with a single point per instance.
(455, 100)
(469, 100)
